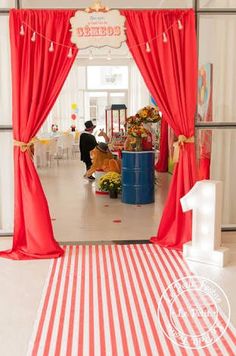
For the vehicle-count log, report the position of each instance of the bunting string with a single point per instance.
(146, 44)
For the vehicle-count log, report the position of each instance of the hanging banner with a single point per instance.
(98, 29)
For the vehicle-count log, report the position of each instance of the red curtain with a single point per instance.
(162, 164)
(37, 78)
(170, 73)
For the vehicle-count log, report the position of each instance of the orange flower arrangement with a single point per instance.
(148, 114)
(133, 120)
(137, 131)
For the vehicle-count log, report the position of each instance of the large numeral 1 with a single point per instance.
(205, 201)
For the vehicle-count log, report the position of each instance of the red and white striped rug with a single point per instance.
(103, 300)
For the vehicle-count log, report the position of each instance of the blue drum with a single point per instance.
(138, 177)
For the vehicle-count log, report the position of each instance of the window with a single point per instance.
(107, 77)
(94, 107)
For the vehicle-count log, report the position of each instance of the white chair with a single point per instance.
(40, 154)
(65, 142)
(52, 151)
(75, 146)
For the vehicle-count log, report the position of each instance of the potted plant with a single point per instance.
(111, 182)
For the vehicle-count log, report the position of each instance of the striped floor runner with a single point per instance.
(103, 300)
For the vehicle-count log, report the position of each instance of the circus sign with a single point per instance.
(98, 29)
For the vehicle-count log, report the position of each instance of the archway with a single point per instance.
(170, 72)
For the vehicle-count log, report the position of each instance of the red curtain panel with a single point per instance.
(37, 78)
(170, 73)
(162, 164)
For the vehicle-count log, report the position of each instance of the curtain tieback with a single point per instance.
(25, 147)
(181, 141)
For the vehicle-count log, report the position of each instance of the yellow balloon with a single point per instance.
(74, 106)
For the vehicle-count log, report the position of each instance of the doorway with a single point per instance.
(78, 213)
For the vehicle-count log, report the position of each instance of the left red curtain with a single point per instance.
(37, 78)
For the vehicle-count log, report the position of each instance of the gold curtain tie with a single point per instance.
(25, 146)
(181, 141)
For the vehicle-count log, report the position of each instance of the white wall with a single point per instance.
(5, 72)
(110, 3)
(6, 148)
(218, 46)
(217, 4)
(7, 4)
(6, 182)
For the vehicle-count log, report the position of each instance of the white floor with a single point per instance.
(81, 215)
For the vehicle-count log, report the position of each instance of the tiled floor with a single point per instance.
(82, 216)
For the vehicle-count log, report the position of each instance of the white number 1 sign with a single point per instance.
(205, 201)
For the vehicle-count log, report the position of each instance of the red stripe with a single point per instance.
(63, 306)
(154, 301)
(81, 308)
(44, 310)
(165, 285)
(100, 305)
(109, 304)
(117, 297)
(72, 306)
(155, 277)
(54, 307)
(128, 306)
(138, 309)
(145, 300)
(193, 325)
(91, 311)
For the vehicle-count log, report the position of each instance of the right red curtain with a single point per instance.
(170, 73)
(162, 164)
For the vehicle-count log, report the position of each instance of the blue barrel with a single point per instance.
(138, 177)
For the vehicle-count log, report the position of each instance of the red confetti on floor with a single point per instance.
(116, 221)
(106, 205)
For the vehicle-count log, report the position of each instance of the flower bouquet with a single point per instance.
(133, 120)
(139, 132)
(149, 114)
(110, 182)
